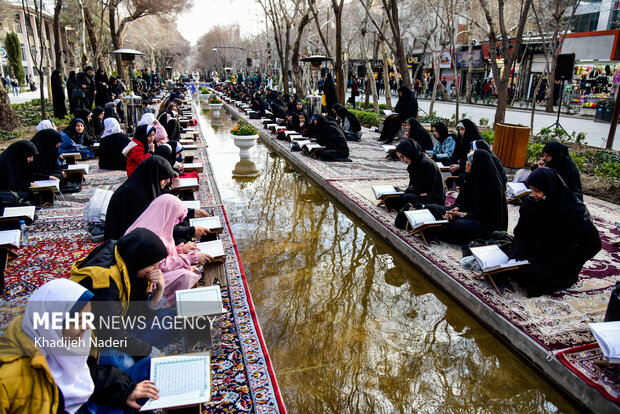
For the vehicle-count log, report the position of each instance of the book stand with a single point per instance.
(420, 231)
(214, 270)
(45, 196)
(501, 287)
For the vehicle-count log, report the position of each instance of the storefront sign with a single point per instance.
(462, 58)
(3, 53)
(445, 61)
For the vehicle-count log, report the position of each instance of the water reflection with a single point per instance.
(351, 326)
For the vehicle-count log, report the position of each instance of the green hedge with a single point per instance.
(366, 117)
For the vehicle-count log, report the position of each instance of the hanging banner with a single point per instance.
(462, 58)
(445, 61)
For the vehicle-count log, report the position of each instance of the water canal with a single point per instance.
(351, 326)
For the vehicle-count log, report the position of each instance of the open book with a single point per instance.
(212, 223)
(384, 191)
(517, 190)
(312, 147)
(46, 185)
(19, 212)
(296, 137)
(491, 258)
(202, 301)
(388, 148)
(185, 183)
(214, 248)
(192, 166)
(78, 168)
(182, 381)
(443, 168)
(10, 238)
(607, 334)
(387, 112)
(195, 204)
(422, 218)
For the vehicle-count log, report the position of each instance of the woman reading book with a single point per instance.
(555, 155)
(52, 379)
(16, 168)
(425, 182)
(555, 234)
(480, 208)
(178, 269)
(126, 281)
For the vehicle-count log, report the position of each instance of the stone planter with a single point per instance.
(245, 168)
(204, 97)
(215, 108)
(245, 142)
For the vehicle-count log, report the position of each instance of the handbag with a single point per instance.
(78, 94)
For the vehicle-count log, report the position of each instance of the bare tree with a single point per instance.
(121, 12)
(497, 27)
(301, 25)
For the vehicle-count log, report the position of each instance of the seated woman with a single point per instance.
(555, 155)
(350, 124)
(444, 146)
(419, 134)
(87, 117)
(111, 146)
(110, 111)
(46, 124)
(96, 123)
(47, 379)
(16, 168)
(72, 139)
(303, 124)
(331, 136)
(482, 145)
(170, 122)
(125, 279)
(467, 133)
(160, 217)
(480, 208)
(140, 148)
(133, 196)
(407, 107)
(555, 234)
(425, 182)
(46, 164)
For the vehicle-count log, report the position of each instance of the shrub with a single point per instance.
(488, 135)
(243, 128)
(484, 122)
(433, 118)
(366, 117)
(534, 152)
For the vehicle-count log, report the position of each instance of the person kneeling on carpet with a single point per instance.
(126, 282)
(332, 137)
(38, 374)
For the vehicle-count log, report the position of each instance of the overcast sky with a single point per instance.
(209, 13)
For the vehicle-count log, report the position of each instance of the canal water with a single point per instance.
(350, 325)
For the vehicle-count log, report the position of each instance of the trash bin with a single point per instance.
(313, 103)
(600, 111)
(608, 114)
(510, 144)
(132, 109)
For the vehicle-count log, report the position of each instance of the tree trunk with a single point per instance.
(470, 66)
(386, 77)
(92, 36)
(534, 104)
(372, 86)
(116, 40)
(400, 48)
(502, 100)
(340, 84)
(297, 75)
(436, 76)
(8, 117)
(56, 28)
(551, 85)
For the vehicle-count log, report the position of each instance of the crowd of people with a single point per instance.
(480, 210)
(148, 253)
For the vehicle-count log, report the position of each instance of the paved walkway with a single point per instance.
(596, 132)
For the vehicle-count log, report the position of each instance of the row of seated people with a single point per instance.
(147, 255)
(554, 232)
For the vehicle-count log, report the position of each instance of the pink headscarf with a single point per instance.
(161, 135)
(164, 212)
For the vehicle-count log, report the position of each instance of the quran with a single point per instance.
(214, 248)
(46, 185)
(10, 238)
(212, 223)
(607, 334)
(202, 301)
(195, 204)
(492, 259)
(19, 212)
(422, 218)
(517, 190)
(384, 191)
(182, 381)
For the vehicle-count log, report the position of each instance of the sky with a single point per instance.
(209, 13)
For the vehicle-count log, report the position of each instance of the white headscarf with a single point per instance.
(67, 364)
(110, 126)
(45, 124)
(147, 119)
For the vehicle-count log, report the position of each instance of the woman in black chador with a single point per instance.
(480, 208)
(555, 156)
(407, 107)
(419, 134)
(58, 95)
(554, 233)
(329, 89)
(425, 182)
